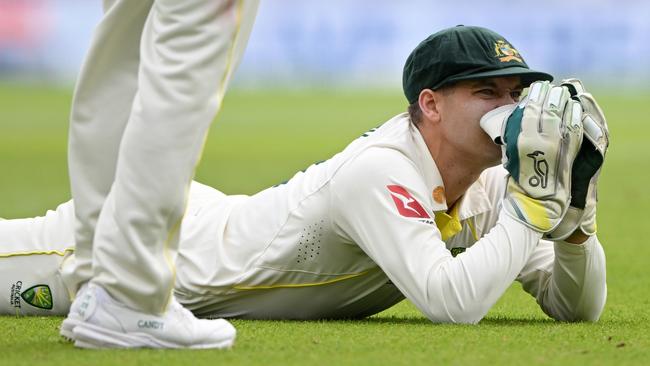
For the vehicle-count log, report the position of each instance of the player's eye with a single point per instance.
(486, 92)
(515, 94)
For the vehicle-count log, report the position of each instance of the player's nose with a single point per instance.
(506, 98)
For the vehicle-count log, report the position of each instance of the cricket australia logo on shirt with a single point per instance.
(407, 206)
(39, 296)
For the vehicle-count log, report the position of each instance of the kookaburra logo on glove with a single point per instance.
(542, 135)
(541, 169)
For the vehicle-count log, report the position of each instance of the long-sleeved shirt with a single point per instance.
(355, 234)
(347, 238)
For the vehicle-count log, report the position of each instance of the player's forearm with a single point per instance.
(577, 288)
(463, 289)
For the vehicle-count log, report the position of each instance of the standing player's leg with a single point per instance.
(100, 110)
(101, 107)
(33, 253)
(189, 50)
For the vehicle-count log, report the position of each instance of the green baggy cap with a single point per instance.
(463, 53)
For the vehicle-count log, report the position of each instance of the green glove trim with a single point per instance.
(511, 136)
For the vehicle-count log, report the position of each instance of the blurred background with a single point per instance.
(358, 44)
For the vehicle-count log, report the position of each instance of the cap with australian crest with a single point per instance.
(463, 53)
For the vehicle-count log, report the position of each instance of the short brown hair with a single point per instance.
(415, 113)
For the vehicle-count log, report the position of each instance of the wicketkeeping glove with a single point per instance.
(542, 135)
(586, 168)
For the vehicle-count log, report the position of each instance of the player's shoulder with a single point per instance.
(379, 161)
(389, 147)
(375, 169)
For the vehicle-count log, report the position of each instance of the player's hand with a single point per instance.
(586, 168)
(542, 137)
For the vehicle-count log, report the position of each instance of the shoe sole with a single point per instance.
(67, 327)
(94, 337)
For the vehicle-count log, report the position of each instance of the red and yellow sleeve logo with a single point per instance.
(406, 204)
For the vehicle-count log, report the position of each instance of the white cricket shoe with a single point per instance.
(106, 323)
(74, 315)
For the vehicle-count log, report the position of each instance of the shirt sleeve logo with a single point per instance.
(407, 206)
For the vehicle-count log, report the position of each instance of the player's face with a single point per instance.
(463, 106)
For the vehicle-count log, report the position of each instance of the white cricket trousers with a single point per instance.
(150, 86)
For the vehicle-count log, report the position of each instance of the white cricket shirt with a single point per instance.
(355, 234)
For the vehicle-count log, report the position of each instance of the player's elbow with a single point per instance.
(588, 312)
(465, 316)
(454, 299)
(457, 311)
(471, 314)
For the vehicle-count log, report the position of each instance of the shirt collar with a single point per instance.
(475, 201)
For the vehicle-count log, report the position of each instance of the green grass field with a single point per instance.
(262, 138)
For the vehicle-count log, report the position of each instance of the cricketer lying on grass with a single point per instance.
(379, 222)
